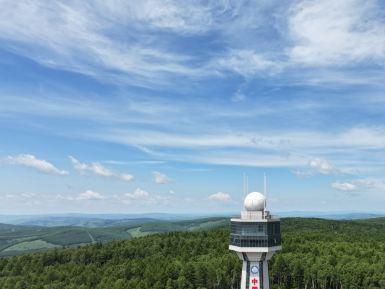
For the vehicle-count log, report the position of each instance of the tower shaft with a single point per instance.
(255, 275)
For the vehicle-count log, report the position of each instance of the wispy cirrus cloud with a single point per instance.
(313, 151)
(247, 63)
(99, 170)
(75, 37)
(334, 33)
(32, 161)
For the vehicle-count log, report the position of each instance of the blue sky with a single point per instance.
(161, 106)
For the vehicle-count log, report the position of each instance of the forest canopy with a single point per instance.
(316, 254)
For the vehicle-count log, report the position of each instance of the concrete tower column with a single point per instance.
(255, 237)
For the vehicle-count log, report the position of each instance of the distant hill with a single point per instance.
(18, 239)
(91, 220)
(332, 216)
(111, 220)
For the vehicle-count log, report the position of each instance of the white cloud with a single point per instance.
(340, 151)
(126, 177)
(62, 197)
(138, 195)
(161, 178)
(220, 196)
(322, 166)
(28, 195)
(98, 169)
(332, 33)
(365, 184)
(186, 17)
(76, 36)
(112, 39)
(142, 197)
(29, 160)
(317, 165)
(344, 186)
(246, 63)
(90, 195)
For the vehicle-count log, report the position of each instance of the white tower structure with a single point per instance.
(255, 237)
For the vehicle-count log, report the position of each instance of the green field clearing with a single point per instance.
(136, 232)
(31, 245)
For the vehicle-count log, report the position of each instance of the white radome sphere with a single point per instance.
(255, 202)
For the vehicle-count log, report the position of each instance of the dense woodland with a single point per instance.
(317, 254)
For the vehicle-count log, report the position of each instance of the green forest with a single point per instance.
(317, 254)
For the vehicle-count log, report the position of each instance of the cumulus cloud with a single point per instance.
(161, 178)
(322, 166)
(98, 169)
(220, 196)
(31, 161)
(142, 197)
(317, 166)
(138, 195)
(90, 195)
(360, 184)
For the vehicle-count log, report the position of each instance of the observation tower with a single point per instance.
(255, 237)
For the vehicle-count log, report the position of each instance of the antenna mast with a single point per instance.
(265, 187)
(244, 184)
(247, 184)
(244, 187)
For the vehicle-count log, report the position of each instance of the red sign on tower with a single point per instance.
(254, 282)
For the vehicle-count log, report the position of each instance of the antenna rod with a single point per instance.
(244, 184)
(265, 187)
(264, 184)
(244, 187)
(247, 184)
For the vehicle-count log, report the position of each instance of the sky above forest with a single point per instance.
(161, 106)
